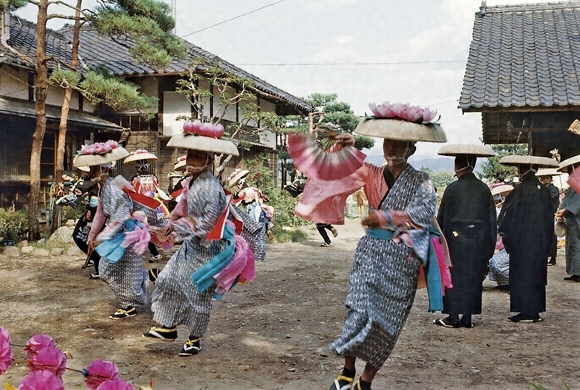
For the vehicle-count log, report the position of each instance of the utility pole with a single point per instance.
(174, 15)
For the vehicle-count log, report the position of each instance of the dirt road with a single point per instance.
(274, 333)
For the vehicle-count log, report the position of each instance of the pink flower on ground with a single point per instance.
(115, 384)
(6, 356)
(41, 380)
(36, 343)
(98, 372)
(49, 359)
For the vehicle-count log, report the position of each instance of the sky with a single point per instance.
(362, 50)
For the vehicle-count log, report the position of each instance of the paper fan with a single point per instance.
(323, 160)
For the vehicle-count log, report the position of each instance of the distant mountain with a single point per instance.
(435, 164)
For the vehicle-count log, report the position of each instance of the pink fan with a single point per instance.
(323, 162)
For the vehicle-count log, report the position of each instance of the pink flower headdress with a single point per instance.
(99, 147)
(415, 114)
(204, 129)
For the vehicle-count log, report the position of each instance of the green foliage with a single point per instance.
(336, 115)
(12, 5)
(363, 142)
(74, 212)
(230, 90)
(146, 24)
(13, 225)
(116, 93)
(493, 170)
(440, 179)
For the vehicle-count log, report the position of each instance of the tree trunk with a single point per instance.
(62, 127)
(40, 92)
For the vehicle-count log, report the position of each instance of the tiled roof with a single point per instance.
(23, 42)
(524, 55)
(113, 55)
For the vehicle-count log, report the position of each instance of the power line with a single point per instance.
(354, 63)
(234, 18)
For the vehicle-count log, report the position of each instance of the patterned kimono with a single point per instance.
(383, 280)
(572, 205)
(127, 277)
(176, 299)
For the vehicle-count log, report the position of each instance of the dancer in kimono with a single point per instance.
(467, 216)
(146, 183)
(383, 280)
(180, 297)
(526, 223)
(125, 275)
(570, 212)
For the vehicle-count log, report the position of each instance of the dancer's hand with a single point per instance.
(345, 139)
(371, 220)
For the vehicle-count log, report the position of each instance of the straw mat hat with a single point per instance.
(401, 130)
(140, 154)
(516, 159)
(100, 153)
(569, 161)
(460, 149)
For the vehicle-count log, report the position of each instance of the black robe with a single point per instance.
(526, 223)
(467, 217)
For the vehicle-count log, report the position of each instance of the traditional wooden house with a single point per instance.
(18, 114)
(153, 135)
(17, 79)
(523, 75)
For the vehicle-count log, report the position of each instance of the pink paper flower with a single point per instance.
(6, 356)
(403, 111)
(140, 151)
(115, 384)
(99, 147)
(98, 372)
(36, 343)
(49, 359)
(41, 380)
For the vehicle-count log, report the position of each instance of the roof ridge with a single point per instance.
(531, 6)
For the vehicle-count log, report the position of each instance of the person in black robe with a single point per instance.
(467, 216)
(526, 224)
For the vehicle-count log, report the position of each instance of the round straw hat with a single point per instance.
(400, 130)
(97, 154)
(181, 163)
(460, 149)
(569, 161)
(237, 176)
(203, 143)
(516, 159)
(140, 154)
(548, 172)
(501, 189)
